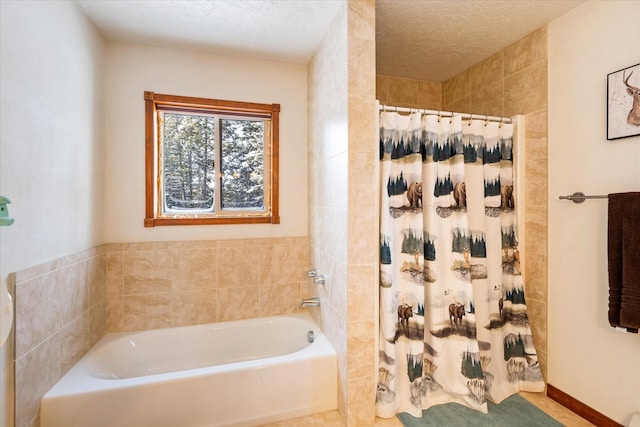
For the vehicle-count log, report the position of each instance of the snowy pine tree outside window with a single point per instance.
(210, 161)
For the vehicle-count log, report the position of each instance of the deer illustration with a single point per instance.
(634, 115)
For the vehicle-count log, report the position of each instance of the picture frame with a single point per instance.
(623, 103)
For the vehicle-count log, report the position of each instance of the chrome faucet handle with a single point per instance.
(319, 280)
(312, 273)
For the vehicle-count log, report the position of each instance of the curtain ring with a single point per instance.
(438, 112)
(486, 120)
(470, 119)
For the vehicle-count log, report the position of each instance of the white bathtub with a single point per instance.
(240, 373)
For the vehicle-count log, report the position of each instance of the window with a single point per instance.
(209, 161)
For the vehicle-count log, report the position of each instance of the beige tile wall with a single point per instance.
(512, 81)
(59, 315)
(343, 218)
(363, 223)
(402, 92)
(327, 81)
(164, 284)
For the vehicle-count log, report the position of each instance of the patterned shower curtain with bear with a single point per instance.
(453, 319)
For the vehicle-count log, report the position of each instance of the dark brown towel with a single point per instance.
(632, 292)
(624, 259)
(630, 304)
(630, 298)
(631, 251)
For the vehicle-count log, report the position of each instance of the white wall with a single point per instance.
(587, 358)
(51, 145)
(51, 132)
(132, 69)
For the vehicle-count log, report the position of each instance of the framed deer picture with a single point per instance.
(623, 103)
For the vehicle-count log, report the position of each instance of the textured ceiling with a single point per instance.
(421, 39)
(436, 39)
(278, 30)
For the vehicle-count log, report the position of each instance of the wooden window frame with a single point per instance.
(153, 102)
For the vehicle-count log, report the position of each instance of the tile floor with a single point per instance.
(333, 418)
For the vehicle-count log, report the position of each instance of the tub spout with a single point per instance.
(310, 302)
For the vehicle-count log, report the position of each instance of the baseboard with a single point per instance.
(586, 412)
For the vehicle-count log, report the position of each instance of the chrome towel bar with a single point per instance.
(579, 197)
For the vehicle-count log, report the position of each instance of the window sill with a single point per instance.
(155, 222)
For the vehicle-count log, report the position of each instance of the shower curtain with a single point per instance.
(453, 318)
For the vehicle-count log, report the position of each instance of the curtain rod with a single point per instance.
(445, 113)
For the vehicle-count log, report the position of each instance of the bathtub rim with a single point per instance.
(79, 373)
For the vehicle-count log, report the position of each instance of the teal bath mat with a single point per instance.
(514, 411)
